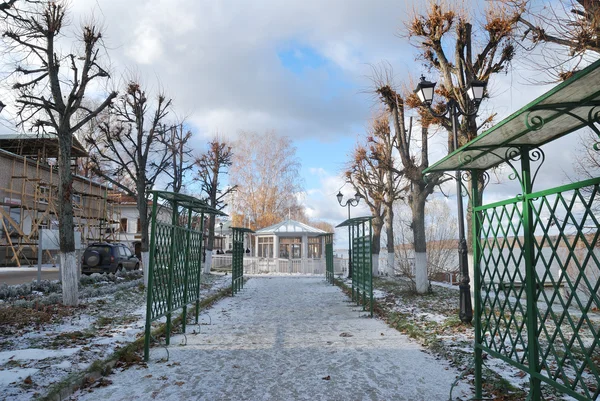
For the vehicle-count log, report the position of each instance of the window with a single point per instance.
(290, 248)
(265, 247)
(44, 193)
(76, 199)
(123, 225)
(314, 247)
(139, 226)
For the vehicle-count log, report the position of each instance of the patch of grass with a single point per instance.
(124, 356)
(71, 338)
(16, 318)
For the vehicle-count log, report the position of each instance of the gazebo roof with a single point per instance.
(290, 227)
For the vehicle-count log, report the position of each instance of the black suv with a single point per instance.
(103, 257)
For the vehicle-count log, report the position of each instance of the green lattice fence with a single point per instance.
(362, 262)
(329, 274)
(237, 259)
(554, 337)
(176, 254)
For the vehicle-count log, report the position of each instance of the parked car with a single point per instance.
(103, 257)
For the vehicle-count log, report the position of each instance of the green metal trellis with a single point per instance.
(237, 259)
(176, 256)
(537, 256)
(362, 262)
(329, 274)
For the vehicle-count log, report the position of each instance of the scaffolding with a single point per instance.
(29, 203)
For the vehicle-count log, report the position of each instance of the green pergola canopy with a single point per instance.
(188, 202)
(571, 105)
(354, 221)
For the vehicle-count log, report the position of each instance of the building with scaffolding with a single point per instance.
(28, 198)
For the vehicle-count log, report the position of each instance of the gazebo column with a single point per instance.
(276, 246)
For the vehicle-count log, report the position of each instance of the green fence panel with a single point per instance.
(361, 233)
(540, 312)
(329, 274)
(237, 259)
(176, 254)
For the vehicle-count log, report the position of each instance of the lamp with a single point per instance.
(475, 92)
(425, 90)
(350, 202)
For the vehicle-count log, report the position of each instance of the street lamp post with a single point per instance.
(425, 91)
(350, 202)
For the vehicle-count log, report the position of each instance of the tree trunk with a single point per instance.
(389, 230)
(68, 258)
(142, 205)
(377, 223)
(210, 244)
(417, 205)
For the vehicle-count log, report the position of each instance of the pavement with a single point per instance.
(26, 274)
(286, 338)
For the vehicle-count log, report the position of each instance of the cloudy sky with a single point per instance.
(300, 68)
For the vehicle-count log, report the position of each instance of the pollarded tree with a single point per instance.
(51, 80)
(266, 172)
(413, 160)
(372, 173)
(181, 155)
(131, 148)
(212, 165)
(460, 53)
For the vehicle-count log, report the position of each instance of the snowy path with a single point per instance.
(277, 340)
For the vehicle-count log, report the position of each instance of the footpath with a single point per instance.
(286, 338)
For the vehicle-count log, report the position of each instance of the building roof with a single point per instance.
(290, 227)
(30, 144)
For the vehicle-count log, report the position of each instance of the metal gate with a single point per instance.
(360, 231)
(237, 259)
(536, 256)
(176, 256)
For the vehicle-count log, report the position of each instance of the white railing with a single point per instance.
(219, 261)
(255, 265)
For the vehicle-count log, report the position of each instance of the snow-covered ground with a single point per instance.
(61, 340)
(286, 338)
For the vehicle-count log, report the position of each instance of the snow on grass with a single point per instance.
(42, 353)
(286, 338)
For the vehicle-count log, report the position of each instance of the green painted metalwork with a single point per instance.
(361, 233)
(537, 255)
(237, 258)
(329, 273)
(543, 248)
(175, 259)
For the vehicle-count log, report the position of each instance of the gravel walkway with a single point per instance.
(287, 338)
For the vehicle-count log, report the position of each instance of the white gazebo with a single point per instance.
(290, 247)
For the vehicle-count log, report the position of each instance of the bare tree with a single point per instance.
(371, 172)
(414, 159)
(266, 172)
(51, 83)
(449, 44)
(131, 149)
(562, 34)
(181, 155)
(369, 181)
(212, 165)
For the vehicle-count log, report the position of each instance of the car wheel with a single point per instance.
(137, 266)
(119, 267)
